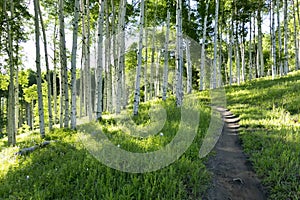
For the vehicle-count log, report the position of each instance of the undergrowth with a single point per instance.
(270, 119)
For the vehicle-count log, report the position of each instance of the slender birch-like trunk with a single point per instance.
(121, 57)
(146, 67)
(73, 64)
(179, 54)
(166, 61)
(260, 51)
(273, 38)
(100, 60)
(54, 74)
(189, 68)
(38, 67)
(250, 48)
(47, 68)
(64, 62)
(295, 37)
(152, 63)
(214, 75)
(202, 64)
(11, 130)
(138, 69)
(88, 63)
(279, 38)
(230, 51)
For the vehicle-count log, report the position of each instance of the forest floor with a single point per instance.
(233, 176)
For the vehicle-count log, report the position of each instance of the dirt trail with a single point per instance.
(233, 177)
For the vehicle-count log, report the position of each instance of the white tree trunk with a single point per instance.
(179, 54)
(47, 68)
(121, 57)
(202, 64)
(11, 130)
(230, 52)
(138, 69)
(146, 67)
(152, 64)
(260, 51)
(64, 62)
(54, 74)
(108, 59)
(189, 68)
(73, 64)
(214, 75)
(38, 67)
(273, 37)
(156, 85)
(166, 61)
(295, 37)
(88, 63)
(243, 58)
(100, 60)
(250, 49)
(279, 38)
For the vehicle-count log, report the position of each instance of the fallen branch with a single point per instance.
(31, 149)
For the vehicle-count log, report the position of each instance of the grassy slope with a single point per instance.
(270, 119)
(65, 170)
(271, 136)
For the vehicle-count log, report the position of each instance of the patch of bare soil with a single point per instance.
(233, 177)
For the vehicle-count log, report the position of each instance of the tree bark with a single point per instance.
(11, 128)
(38, 67)
(295, 37)
(73, 64)
(214, 75)
(138, 69)
(63, 60)
(47, 68)
(179, 54)
(100, 60)
(166, 61)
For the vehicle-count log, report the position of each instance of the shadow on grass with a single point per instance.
(65, 170)
(275, 154)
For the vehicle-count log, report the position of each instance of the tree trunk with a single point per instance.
(121, 56)
(156, 86)
(38, 67)
(273, 38)
(279, 38)
(179, 54)
(54, 74)
(189, 68)
(100, 60)
(73, 64)
(166, 61)
(250, 49)
(295, 37)
(138, 69)
(260, 51)
(152, 63)
(214, 76)
(63, 60)
(11, 130)
(230, 51)
(47, 68)
(88, 63)
(108, 58)
(202, 64)
(146, 67)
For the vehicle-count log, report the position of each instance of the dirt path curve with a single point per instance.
(233, 178)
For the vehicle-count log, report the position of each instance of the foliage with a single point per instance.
(65, 170)
(269, 112)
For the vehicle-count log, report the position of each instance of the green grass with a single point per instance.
(65, 169)
(270, 119)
